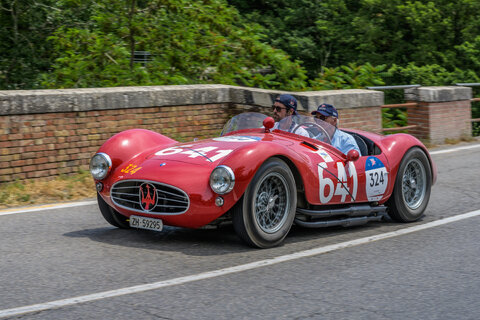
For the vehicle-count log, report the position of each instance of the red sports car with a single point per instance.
(261, 179)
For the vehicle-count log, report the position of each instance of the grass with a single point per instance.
(62, 188)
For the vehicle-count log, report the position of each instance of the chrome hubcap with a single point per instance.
(272, 203)
(414, 184)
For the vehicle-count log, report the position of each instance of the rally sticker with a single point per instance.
(324, 154)
(131, 168)
(238, 139)
(377, 178)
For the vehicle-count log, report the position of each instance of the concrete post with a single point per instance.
(441, 113)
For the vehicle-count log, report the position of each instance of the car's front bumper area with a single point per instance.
(154, 199)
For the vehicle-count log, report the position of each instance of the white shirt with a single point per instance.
(294, 127)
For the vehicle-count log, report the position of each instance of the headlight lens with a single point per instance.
(222, 180)
(100, 165)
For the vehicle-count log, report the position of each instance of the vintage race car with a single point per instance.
(262, 177)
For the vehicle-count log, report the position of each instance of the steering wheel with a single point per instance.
(316, 131)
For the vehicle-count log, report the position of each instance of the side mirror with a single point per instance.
(268, 123)
(353, 155)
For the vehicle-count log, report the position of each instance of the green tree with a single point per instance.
(349, 76)
(311, 31)
(23, 50)
(189, 42)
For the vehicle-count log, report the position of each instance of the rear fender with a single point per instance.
(395, 146)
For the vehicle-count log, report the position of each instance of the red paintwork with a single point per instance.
(137, 154)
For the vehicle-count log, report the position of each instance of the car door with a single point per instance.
(342, 182)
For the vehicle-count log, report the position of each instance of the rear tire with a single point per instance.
(412, 187)
(111, 215)
(264, 215)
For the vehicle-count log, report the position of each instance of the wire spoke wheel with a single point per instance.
(264, 215)
(412, 187)
(272, 203)
(414, 184)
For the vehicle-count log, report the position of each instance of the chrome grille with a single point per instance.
(169, 200)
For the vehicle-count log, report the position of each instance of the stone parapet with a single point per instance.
(15, 102)
(438, 94)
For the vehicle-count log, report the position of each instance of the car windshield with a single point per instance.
(247, 120)
(298, 124)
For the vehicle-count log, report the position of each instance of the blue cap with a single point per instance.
(288, 101)
(327, 110)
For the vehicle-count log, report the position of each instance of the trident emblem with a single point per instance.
(148, 196)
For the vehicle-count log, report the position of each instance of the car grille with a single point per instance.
(169, 200)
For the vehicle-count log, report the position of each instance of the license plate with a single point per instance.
(146, 223)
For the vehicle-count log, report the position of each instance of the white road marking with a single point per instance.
(221, 272)
(455, 149)
(4, 212)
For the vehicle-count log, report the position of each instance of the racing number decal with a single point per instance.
(331, 186)
(193, 153)
(131, 168)
(377, 178)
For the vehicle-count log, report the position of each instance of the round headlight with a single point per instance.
(100, 165)
(222, 180)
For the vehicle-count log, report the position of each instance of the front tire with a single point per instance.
(264, 215)
(412, 187)
(111, 215)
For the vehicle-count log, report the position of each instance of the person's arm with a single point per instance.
(301, 131)
(349, 143)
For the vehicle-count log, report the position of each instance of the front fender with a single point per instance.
(129, 144)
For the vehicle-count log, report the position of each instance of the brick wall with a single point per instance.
(442, 120)
(366, 118)
(44, 133)
(43, 145)
(441, 113)
(46, 145)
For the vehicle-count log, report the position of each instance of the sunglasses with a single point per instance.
(321, 117)
(277, 108)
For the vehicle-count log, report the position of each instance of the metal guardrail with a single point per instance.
(468, 84)
(414, 104)
(397, 105)
(473, 99)
(405, 86)
(400, 105)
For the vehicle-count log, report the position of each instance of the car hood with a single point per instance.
(205, 152)
(184, 164)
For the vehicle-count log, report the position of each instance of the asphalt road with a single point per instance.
(50, 256)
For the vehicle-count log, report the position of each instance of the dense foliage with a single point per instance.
(331, 33)
(283, 44)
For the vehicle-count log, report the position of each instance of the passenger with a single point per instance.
(286, 105)
(340, 140)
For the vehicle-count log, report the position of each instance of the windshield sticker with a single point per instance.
(324, 154)
(376, 178)
(238, 139)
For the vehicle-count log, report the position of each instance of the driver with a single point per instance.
(286, 105)
(340, 140)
